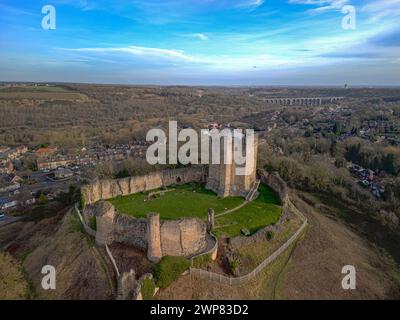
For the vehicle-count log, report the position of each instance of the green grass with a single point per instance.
(147, 289)
(169, 269)
(193, 201)
(265, 210)
(183, 201)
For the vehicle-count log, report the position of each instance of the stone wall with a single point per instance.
(130, 231)
(222, 178)
(105, 218)
(154, 251)
(275, 182)
(107, 189)
(184, 237)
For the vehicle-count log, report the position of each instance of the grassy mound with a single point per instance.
(265, 210)
(169, 269)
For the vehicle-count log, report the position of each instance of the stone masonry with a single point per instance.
(223, 179)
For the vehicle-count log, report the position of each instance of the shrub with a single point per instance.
(81, 203)
(234, 263)
(122, 174)
(92, 223)
(169, 269)
(42, 199)
(269, 235)
(147, 288)
(202, 261)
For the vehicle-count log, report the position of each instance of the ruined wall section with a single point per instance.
(105, 218)
(275, 182)
(130, 231)
(107, 189)
(185, 237)
(154, 251)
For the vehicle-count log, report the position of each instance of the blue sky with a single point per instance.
(207, 42)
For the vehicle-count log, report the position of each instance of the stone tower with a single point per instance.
(223, 178)
(153, 237)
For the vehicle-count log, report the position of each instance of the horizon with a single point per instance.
(238, 86)
(243, 43)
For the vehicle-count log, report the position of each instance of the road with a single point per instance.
(6, 220)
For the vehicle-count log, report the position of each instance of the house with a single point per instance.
(15, 178)
(54, 163)
(7, 203)
(6, 168)
(4, 149)
(10, 187)
(45, 152)
(22, 149)
(26, 200)
(6, 184)
(62, 173)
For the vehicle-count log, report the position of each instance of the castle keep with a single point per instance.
(224, 179)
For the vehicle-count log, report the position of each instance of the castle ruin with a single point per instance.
(224, 179)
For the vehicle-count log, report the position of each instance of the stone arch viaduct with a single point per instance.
(303, 101)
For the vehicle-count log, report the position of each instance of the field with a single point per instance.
(192, 201)
(26, 88)
(263, 211)
(40, 93)
(181, 201)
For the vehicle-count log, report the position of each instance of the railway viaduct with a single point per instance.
(303, 101)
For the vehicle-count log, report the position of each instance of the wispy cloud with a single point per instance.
(170, 54)
(322, 5)
(175, 57)
(200, 36)
(249, 3)
(380, 9)
(13, 10)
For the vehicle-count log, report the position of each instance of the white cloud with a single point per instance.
(380, 9)
(174, 57)
(170, 54)
(323, 5)
(250, 3)
(200, 36)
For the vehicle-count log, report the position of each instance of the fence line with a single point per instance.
(113, 261)
(203, 274)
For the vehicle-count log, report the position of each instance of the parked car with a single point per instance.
(2, 215)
